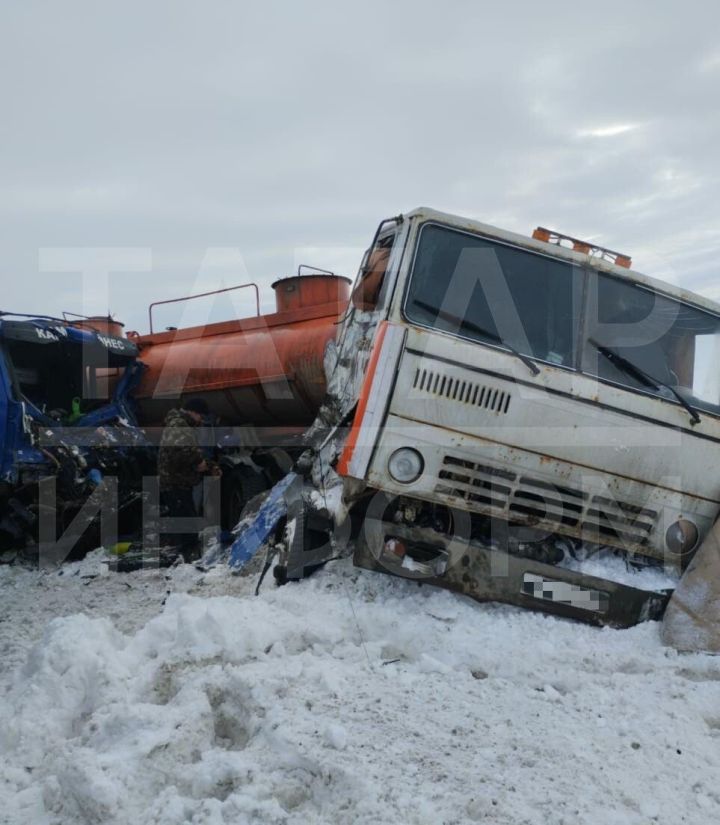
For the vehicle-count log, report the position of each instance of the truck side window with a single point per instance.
(366, 293)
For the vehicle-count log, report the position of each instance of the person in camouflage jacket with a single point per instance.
(181, 462)
(181, 467)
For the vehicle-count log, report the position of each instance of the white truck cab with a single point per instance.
(519, 402)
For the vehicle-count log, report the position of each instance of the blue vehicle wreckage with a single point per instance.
(74, 459)
(66, 415)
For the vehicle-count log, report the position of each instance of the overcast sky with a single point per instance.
(210, 143)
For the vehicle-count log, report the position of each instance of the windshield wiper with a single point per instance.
(643, 377)
(462, 322)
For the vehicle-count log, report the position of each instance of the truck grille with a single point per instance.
(533, 501)
(462, 390)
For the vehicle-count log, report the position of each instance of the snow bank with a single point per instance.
(355, 698)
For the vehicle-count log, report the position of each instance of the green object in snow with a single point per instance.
(76, 411)
(120, 548)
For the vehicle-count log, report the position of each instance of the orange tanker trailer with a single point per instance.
(265, 370)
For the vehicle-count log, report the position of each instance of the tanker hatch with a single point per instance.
(315, 289)
(104, 324)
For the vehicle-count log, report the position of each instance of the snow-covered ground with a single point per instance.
(159, 697)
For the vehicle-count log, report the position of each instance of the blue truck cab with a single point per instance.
(60, 386)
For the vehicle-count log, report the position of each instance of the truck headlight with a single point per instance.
(681, 537)
(406, 465)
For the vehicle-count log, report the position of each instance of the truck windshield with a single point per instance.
(61, 378)
(490, 292)
(675, 343)
(529, 303)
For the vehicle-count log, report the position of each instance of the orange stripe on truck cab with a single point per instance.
(343, 467)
